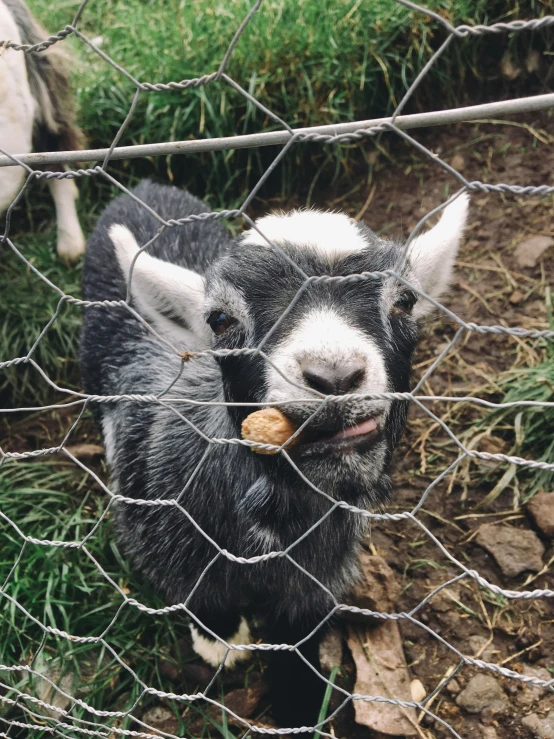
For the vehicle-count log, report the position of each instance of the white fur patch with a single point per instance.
(213, 651)
(325, 337)
(432, 255)
(71, 242)
(334, 235)
(108, 433)
(17, 108)
(159, 287)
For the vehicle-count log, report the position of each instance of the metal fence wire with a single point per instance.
(38, 716)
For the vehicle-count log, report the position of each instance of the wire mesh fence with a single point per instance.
(56, 710)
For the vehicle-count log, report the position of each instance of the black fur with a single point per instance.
(236, 496)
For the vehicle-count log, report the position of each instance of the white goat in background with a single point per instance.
(37, 114)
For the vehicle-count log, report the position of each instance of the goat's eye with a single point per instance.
(219, 321)
(405, 303)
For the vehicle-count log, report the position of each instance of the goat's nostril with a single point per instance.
(333, 380)
(352, 380)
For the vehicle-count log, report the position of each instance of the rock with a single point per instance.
(330, 651)
(417, 690)
(516, 297)
(482, 692)
(160, 718)
(532, 694)
(453, 686)
(377, 590)
(541, 727)
(381, 670)
(515, 550)
(476, 644)
(541, 508)
(529, 252)
(488, 732)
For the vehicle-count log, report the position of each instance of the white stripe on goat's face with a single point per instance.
(332, 235)
(326, 353)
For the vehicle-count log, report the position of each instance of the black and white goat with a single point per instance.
(37, 114)
(199, 289)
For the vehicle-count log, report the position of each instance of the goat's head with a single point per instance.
(321, 339)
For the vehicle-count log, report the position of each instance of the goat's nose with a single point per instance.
(333, 380)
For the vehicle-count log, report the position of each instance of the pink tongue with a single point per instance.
(362, 428)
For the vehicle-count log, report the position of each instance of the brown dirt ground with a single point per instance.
(489, 288)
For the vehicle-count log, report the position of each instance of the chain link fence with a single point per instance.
(24, 709)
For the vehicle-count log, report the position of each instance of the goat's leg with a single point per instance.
(71, 242)
(296, 690)
(229, 626)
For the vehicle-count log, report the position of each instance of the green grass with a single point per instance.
(27, 303)
(528, 429)
(64, 589)
(309, 62)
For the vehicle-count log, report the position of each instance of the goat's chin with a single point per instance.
(345, 470)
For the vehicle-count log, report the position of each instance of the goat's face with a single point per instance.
(329, 348)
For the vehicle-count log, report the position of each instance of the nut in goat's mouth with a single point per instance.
(271, 426)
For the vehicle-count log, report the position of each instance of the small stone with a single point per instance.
(543, 728)
(453, 687)
(515, 550)
(488, 732)
(482, 692)
(330, 651)
(417, 690)
(532, 694)
(541, 508)
(482, 647)
(529, 252)
(161, 719)
(377, 590)
(516, 297)
(458, 162)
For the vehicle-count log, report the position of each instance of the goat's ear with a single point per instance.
(432, 255)
(168, 296)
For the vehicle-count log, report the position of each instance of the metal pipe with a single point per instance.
(274, 138)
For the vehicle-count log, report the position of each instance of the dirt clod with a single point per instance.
(515, 551)
(541, 508)
(482, 692)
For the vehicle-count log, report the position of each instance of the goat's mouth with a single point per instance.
(358, 438)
